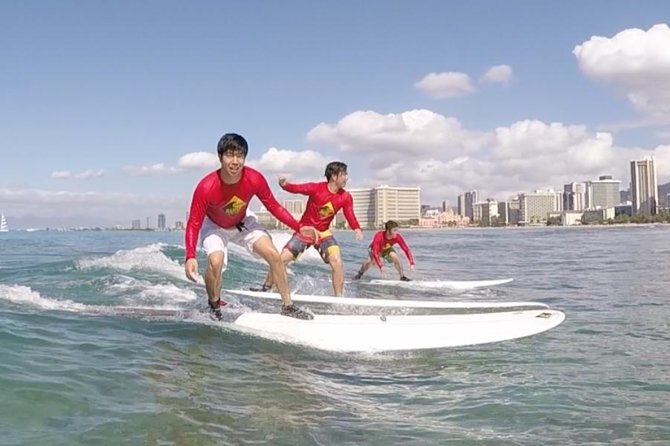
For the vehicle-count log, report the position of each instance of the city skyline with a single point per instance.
(113, 112)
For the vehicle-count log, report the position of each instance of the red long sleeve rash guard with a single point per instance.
(226, 204)
(380, 243)
(323, 205)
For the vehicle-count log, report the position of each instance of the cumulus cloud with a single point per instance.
(288, 161)
(445, 85)
(415, 132)
(636, 64)
(422, 148)
(83, 175)
(199, 161)
(195, 161)
(498, 74)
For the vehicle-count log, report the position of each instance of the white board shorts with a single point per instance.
(215, 238)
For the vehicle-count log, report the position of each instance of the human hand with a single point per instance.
(191, 269)
(281, 181)
(382, 271)
(411, 268)
(358, 234)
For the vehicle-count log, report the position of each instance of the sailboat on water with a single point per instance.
(4, 227)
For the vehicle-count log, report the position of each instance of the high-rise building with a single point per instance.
(466, 204)
(135, 224)
(574, 197)
(373, 207)
(161, 222)
(644, 186)
(535, 207)
(485, 211)
(602, 193)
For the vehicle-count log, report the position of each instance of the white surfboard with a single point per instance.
(390, 333)
(389, 303)
(448, 284)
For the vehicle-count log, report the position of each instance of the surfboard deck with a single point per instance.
(447, 284)
(386, 303)
(357, 333)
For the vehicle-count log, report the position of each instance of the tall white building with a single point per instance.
(644, 186)
(373, 207)
(602, 193)
(535, 207)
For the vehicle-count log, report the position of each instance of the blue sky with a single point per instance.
(111, 111)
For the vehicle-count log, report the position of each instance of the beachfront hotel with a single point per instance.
(373, 207)
(644, 186)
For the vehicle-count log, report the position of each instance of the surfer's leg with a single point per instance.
(396, 263)
(215, 243)
(268, 283)
(364, 267)
(330, 253)
(263, 247)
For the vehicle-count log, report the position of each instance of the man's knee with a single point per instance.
(335, 262)
(215, 261)
(273, 257)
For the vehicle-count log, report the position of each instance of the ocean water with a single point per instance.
(80, 365)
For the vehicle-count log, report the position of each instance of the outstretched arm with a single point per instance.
(264, 194)
(348, 210)
(302, 188)
(405, 249)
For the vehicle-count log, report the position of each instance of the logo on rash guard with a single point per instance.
(326, 210)
(233, 207)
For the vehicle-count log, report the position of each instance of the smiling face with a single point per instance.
(232, 162)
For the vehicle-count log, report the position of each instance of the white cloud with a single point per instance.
(83, 175)
(498, 74)
(194, 161)
(199, 161)
(61, 174)
(445, 85)
(282, 161)
(422, 148)
(636, 64)
(415, 132)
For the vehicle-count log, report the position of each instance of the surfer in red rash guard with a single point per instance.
(325, 200)
(218, 214)
(382, 246)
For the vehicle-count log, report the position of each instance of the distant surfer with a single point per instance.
(381, 247)
(326, 198)
(218, 214)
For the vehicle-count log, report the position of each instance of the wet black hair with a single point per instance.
(232, 142)
(390, 225)
(335, 168)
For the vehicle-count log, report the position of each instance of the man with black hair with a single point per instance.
(382, 247)
(219, 215)
(325, 200)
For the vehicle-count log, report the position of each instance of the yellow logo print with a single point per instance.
(326, 210)
(234, 206)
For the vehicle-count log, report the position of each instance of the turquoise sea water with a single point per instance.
(75, 370)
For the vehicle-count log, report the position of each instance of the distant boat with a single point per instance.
(3, 224)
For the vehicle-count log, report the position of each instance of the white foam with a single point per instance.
(145, 258)
(24, 295)
(144, 290)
